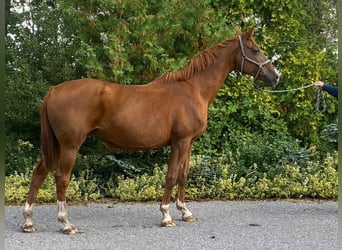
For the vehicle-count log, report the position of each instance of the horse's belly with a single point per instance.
(134, 137)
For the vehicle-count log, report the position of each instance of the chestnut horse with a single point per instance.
(170, 110)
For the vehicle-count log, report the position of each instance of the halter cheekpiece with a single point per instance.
(246, 58)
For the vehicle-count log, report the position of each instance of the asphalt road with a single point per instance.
(220, 225)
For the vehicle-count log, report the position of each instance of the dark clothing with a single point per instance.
(332, 90)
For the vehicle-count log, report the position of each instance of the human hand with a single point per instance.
(319, 84)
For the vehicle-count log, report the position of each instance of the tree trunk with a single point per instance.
(7, 12)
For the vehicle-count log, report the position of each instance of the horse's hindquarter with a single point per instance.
(74, 107)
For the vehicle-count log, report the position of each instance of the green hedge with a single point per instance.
(253, 136)
(207, 180)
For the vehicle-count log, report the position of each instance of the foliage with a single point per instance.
(134, 41)
(208, 179)
(81, 189)
(218, 181)
(304, 35)
(141, 188)
(330, 135)
(21, 155)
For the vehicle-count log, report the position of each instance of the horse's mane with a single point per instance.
(197, 64)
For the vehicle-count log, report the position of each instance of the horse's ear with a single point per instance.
(249, 33)
(238, 32)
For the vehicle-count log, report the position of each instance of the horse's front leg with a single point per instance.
(178, 160)
(62, 216)
(170, 181)
(182, 178)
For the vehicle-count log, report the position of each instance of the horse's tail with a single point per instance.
(49, 143)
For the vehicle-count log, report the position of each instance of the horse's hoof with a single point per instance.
(189, 218)
(168, 224)
(70, 230)
(27, 228)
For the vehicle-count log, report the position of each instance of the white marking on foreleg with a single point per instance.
(63, 218)
(167, 220)
(27, 226)
(186, 214)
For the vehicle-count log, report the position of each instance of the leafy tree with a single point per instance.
(134, 41)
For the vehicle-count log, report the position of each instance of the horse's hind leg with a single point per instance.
(63, 172)
(38, 176)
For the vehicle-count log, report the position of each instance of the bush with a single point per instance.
(116, 163)
(318, 180)
(208, 179)
(20, 156)
(329, 139)
(141, 188)
(80, 189)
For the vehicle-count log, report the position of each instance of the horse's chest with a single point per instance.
(191, 123)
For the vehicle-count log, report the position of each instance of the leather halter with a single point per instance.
(246, 58)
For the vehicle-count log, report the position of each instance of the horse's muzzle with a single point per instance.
(272, 79)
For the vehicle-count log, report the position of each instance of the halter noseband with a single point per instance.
(245, 57)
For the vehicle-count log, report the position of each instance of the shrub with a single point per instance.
(317, 180)
(80, 189)
(20, 156)
(329, 139)
(209, 178)
(141, 188)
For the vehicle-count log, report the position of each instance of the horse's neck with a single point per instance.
(211, 79)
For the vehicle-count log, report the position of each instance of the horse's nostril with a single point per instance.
(277, 75)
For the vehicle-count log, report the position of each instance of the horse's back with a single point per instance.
(86, 86)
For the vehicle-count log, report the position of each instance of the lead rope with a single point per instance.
(286, 90)
(320, 101)
(321, 106)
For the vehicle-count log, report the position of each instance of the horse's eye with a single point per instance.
(255, 51)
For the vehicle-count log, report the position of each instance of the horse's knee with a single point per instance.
(182, 180)
(62, 182)
(170, 181)
(61, 186)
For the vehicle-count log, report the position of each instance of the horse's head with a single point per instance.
(253, 61)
